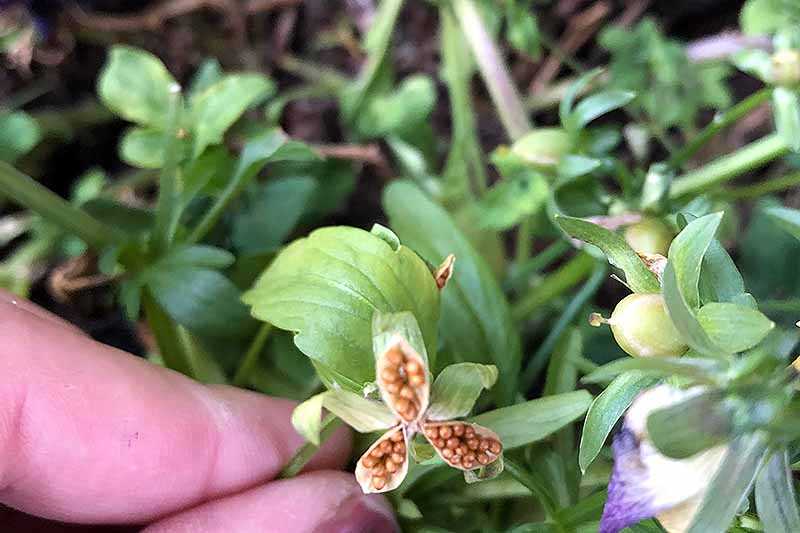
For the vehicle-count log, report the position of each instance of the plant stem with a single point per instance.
(168, 204)
(521, 273)
(765, 187)
(729, 166)
(720, 122)
(314, 73)
(524, 238)
(166, 334)
(537, 362)
(553, 285)
(493, 70)
(250, 358)
(29, 193)
(329, 424)
(535, 485)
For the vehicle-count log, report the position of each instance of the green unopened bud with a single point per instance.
(642, 327)
(650, 236)
(786, 68)
(543, 147)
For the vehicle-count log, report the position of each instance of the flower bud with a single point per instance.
(642, 327)
(786, 68)
(649, 236)
(543, 147)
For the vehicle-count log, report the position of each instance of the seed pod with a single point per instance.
(467, 446)
(403, 380)
(642, 327)
(649, 236)
(385, 472)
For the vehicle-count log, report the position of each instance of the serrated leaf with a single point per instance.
(786, 111)
(457, 387)
(326, 288)
(734, 328)
(775, 495)
(476, 320)
(534, 420)
(220, 105)
(638, 277)
(731, 484)
(606, 409)
(135, 85)
(19, 133)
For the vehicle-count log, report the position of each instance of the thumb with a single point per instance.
(325, 501)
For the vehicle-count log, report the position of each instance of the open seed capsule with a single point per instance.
(463, 446)
(384, 472)
(403, 380)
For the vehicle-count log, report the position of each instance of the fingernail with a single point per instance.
(362, 514)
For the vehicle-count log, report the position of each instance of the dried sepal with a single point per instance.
(655, 263)
(462, 445)
(385, 464)
(403, 380)
(444, 272)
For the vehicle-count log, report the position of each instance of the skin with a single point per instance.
(93, 435)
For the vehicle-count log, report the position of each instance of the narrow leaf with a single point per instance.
(599, 104)
(786, 110)
(775, 495)
(700, 370)
(457, 387)
(686, 255)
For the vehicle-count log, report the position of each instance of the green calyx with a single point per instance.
(649, 236)
(642, 327)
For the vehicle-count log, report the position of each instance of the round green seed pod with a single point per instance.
(649, 236)
(786, 68)
(642, 327)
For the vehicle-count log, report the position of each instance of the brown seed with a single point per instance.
(413, 367)
(440, 443)
(401, 405)
(393, 388)
(456, 459)
(447, 453)
(376, 452)
(453, 443)
(395, 356)
(469, 432)
(389, 375)
(378, 482)
(416, 380)
(391, 466)
(446, 432)
(458, 429)
(495, 447)
(397, 436)
(432, 432)
(463, 449)
(467, 463)
(470, 456)
(484, 445)
(400, 447)
(407, 392)
(483, 459)
(410, 413)
(473, 444)
(369, 461)
(386, 446)
(379, 470)
(398, 458)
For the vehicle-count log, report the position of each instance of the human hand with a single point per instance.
(93, 435)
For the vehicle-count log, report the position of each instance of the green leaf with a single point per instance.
(208, 73)
(326, 288)
(19, 133)
(457, 388)
(700, 370)
(720, 280)
(534, 420)
(730, 485)
(476, 320)
(597, 105)
(363, 415)
(543, 148)
(756, 62)
(522, 28)
(511, 200)
(606, 410)
(786, 110)
(565, 108)
(762, 17)
(735, 328)
(385, 326)
(220, 105)
(133, 220)
(143, 147)
(686, 255)
(775, 495)
(204, 301)
(401, 111)
(691, 426)
(274, 213)
(197, 256)
(618, 252)
(788, 219)
(135, 85)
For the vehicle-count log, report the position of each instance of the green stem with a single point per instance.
(524, 238)
(534, 484)
(168, 204)
(314, 73)
(537, 363)
(166, 334)
(553, 285)
(493, 70)
(29, 193)
(762, 188)
(729, 166)
(521, 273)
(720, 122)
(250, 358)
(329, 424)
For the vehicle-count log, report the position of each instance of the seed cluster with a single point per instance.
(400, 377)
(385, 459)
(461, 446)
